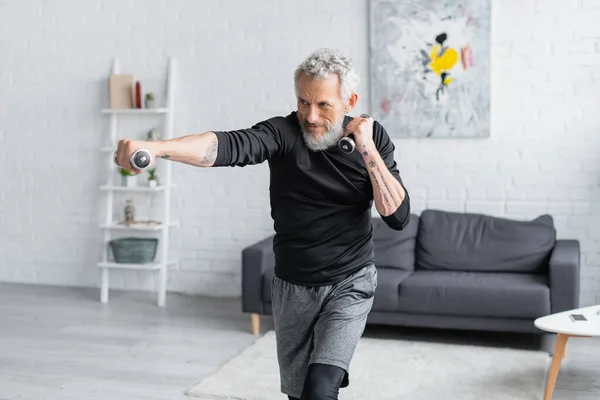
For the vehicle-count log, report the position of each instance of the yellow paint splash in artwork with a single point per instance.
(443, 63)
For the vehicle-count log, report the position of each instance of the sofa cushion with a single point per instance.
(267, 280)
(475, 294)
(476, 242)
(388, 286)
(395, 249)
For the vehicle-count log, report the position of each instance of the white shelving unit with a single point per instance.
(110, 226)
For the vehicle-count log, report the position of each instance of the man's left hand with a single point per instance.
(362, 129)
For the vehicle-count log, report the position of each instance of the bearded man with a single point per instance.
(321, 197)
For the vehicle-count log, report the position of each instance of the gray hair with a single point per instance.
(326, 61)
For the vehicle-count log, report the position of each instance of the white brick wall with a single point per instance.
(236, 67)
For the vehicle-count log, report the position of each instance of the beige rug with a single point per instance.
(385, 369)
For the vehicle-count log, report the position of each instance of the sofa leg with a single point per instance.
(255, 321)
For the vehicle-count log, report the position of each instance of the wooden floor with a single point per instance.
(58, 343)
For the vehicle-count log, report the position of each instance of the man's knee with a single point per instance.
(322, 382)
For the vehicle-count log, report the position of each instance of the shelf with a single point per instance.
(135, 111)
(140, 188)
(145, 267)
(161, 222)
(116, 225)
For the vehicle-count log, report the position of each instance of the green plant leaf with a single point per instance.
(124, 172)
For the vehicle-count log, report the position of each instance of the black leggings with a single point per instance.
(322, 382)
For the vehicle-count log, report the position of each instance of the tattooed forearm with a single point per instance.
(383, 193)
(211, 153)
(387, 191)
(199, 150)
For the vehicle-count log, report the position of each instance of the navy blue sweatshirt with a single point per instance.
(320, 201)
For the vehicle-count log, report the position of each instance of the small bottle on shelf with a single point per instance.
(129, 212)
(138, 95)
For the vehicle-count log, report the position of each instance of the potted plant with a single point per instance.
(127, 178)
(149, 100)
(152, 179)
(153, 134)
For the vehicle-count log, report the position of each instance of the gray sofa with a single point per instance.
(453, 271)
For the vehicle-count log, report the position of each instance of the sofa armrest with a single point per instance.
(256, 260)
(564, 270)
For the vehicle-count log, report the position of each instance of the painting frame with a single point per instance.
(430, 67)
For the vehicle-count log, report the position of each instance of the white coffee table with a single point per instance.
(562, 324)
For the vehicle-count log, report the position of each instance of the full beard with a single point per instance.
(323, 141)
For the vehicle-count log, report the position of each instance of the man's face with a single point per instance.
(321, 111)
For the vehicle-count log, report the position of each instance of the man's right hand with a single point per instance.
(127, 147)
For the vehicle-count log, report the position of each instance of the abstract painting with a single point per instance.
(430, 67)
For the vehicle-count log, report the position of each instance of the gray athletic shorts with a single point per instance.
(319, 324)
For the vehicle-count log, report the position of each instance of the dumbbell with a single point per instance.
(346, 144)
(140, 159)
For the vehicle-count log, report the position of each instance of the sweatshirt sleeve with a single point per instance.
(401, 217)
(251, 146)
